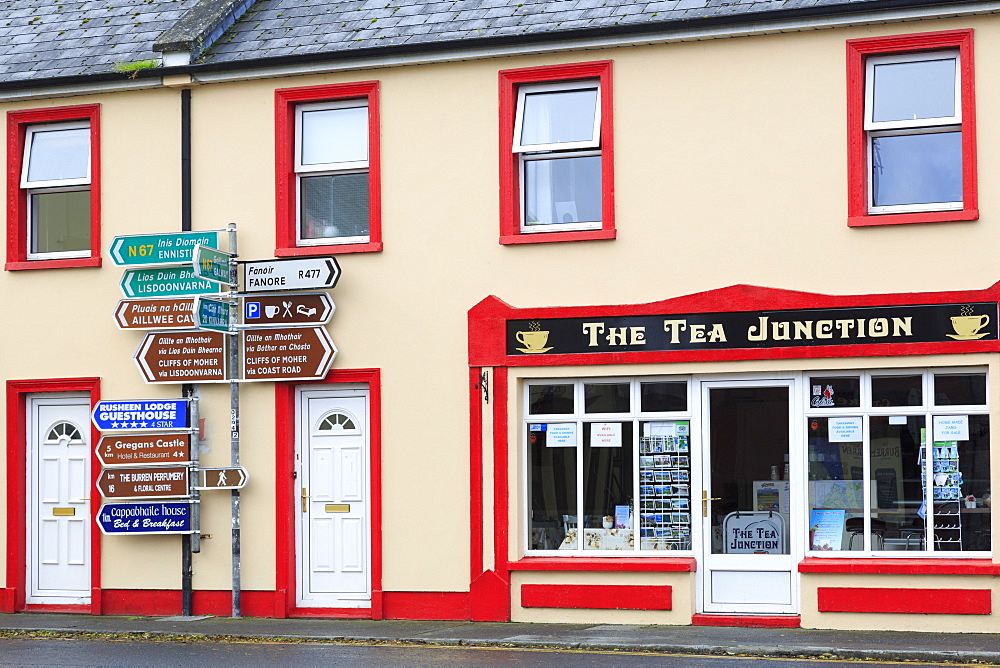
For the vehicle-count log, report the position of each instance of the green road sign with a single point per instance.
(168, 248)
(213, 314)
(212, 265)
(164, 282)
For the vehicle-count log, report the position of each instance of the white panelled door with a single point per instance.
(334, 532)
(58, 503)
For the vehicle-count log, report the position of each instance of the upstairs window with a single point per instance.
(913, 152)
(556, 166)
(328, 170)
(53, 217)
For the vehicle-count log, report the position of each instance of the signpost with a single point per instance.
(213, 314)
(165, 282)
(231, 477)
(144, 483)
(172, 313)
(299, 353)
(290, 310)
(213, 265)
(183, 357)
(149, 249)
(125, 415)
(148, 449)
(131, 519)
(308, 273)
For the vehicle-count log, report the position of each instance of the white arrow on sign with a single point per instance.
(307, 273)
(229, 477)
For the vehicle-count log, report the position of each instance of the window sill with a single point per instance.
(333, 249)
(908, 218)
(548, 237)
(925, 566)
(53, 264)
(625, 564)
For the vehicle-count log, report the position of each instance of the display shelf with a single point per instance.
(665, 486)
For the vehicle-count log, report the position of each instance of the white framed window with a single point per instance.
(332, 172)
(913, 128)
(557, 138)
(56, 179)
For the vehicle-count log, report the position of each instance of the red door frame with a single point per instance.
(14, 594)
(285, 558)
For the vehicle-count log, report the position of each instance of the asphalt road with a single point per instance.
(114, 653)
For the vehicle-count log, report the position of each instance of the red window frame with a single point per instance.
(858, 50)
(285, 101)
(17, 199)
(510, 195)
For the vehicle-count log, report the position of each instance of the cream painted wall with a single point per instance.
(730, 168)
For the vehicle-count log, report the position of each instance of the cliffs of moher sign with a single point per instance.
(753, 329)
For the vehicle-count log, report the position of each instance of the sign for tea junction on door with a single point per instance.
(753, 329)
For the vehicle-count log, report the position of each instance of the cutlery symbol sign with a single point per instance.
(288, 309)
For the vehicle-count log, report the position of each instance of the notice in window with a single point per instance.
(951, 427)
(560, 435)
(844, 430)
(605, 435)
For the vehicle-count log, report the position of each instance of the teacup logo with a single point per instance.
(533, 339)
(968, 324)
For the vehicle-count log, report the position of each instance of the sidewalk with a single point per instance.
(897, 646)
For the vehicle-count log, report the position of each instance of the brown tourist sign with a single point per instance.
(294, 353)
(118, 450)
(172, 313)
(144, 483)
(293, 308)
(183, 357)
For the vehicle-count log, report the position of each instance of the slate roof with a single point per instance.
(42, 39)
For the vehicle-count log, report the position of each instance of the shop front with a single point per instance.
(745, 455)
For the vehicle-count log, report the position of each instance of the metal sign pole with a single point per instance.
(234, 430)
(190, 542)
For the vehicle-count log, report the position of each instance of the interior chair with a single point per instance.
(856, 527)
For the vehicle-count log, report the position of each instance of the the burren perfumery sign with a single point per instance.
(754, 329)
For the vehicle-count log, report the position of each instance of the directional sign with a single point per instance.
(300, 353)
(137, 519)
(165, 282)
(307, 273)
(154, 314)
(150, 482)
(148, 414)
(182, 357)
(231, 477)
(213, 314)
(116, 450)
(212, 265)
(169, 248)
(292, 309)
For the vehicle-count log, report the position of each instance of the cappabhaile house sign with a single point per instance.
(927, 323)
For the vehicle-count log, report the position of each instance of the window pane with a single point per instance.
(606, 398)
(897, 391)
(334, 135)
(661, 397)
(665, 485)
(60, 222)
(607, 483)
(552, 484)
(911, 91)
(897, 489)
(556, 117)
(561, 191)
(836, 488)
(550, 399)
(917, 169)
(960, 389)
(335, 206)
(961, 477)
(59, 154)
(835, 392)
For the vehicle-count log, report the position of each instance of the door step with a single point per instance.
(762, 621)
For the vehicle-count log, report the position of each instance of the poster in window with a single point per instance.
(605, 435)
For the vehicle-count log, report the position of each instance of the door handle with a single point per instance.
(305, 497)
(706, 500)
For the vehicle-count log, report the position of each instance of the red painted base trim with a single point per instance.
(7, 597)
(900, 566)
(82, 609)
(151, 603)
(597, 597)
(489, 598)
(656, 565)
(909, 601)
(431, 605)
(331, 613)
(756, 621)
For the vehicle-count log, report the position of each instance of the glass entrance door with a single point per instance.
(749, 521)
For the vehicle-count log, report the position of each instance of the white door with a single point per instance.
(334, 532)
(58, 503)
(749, 520)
